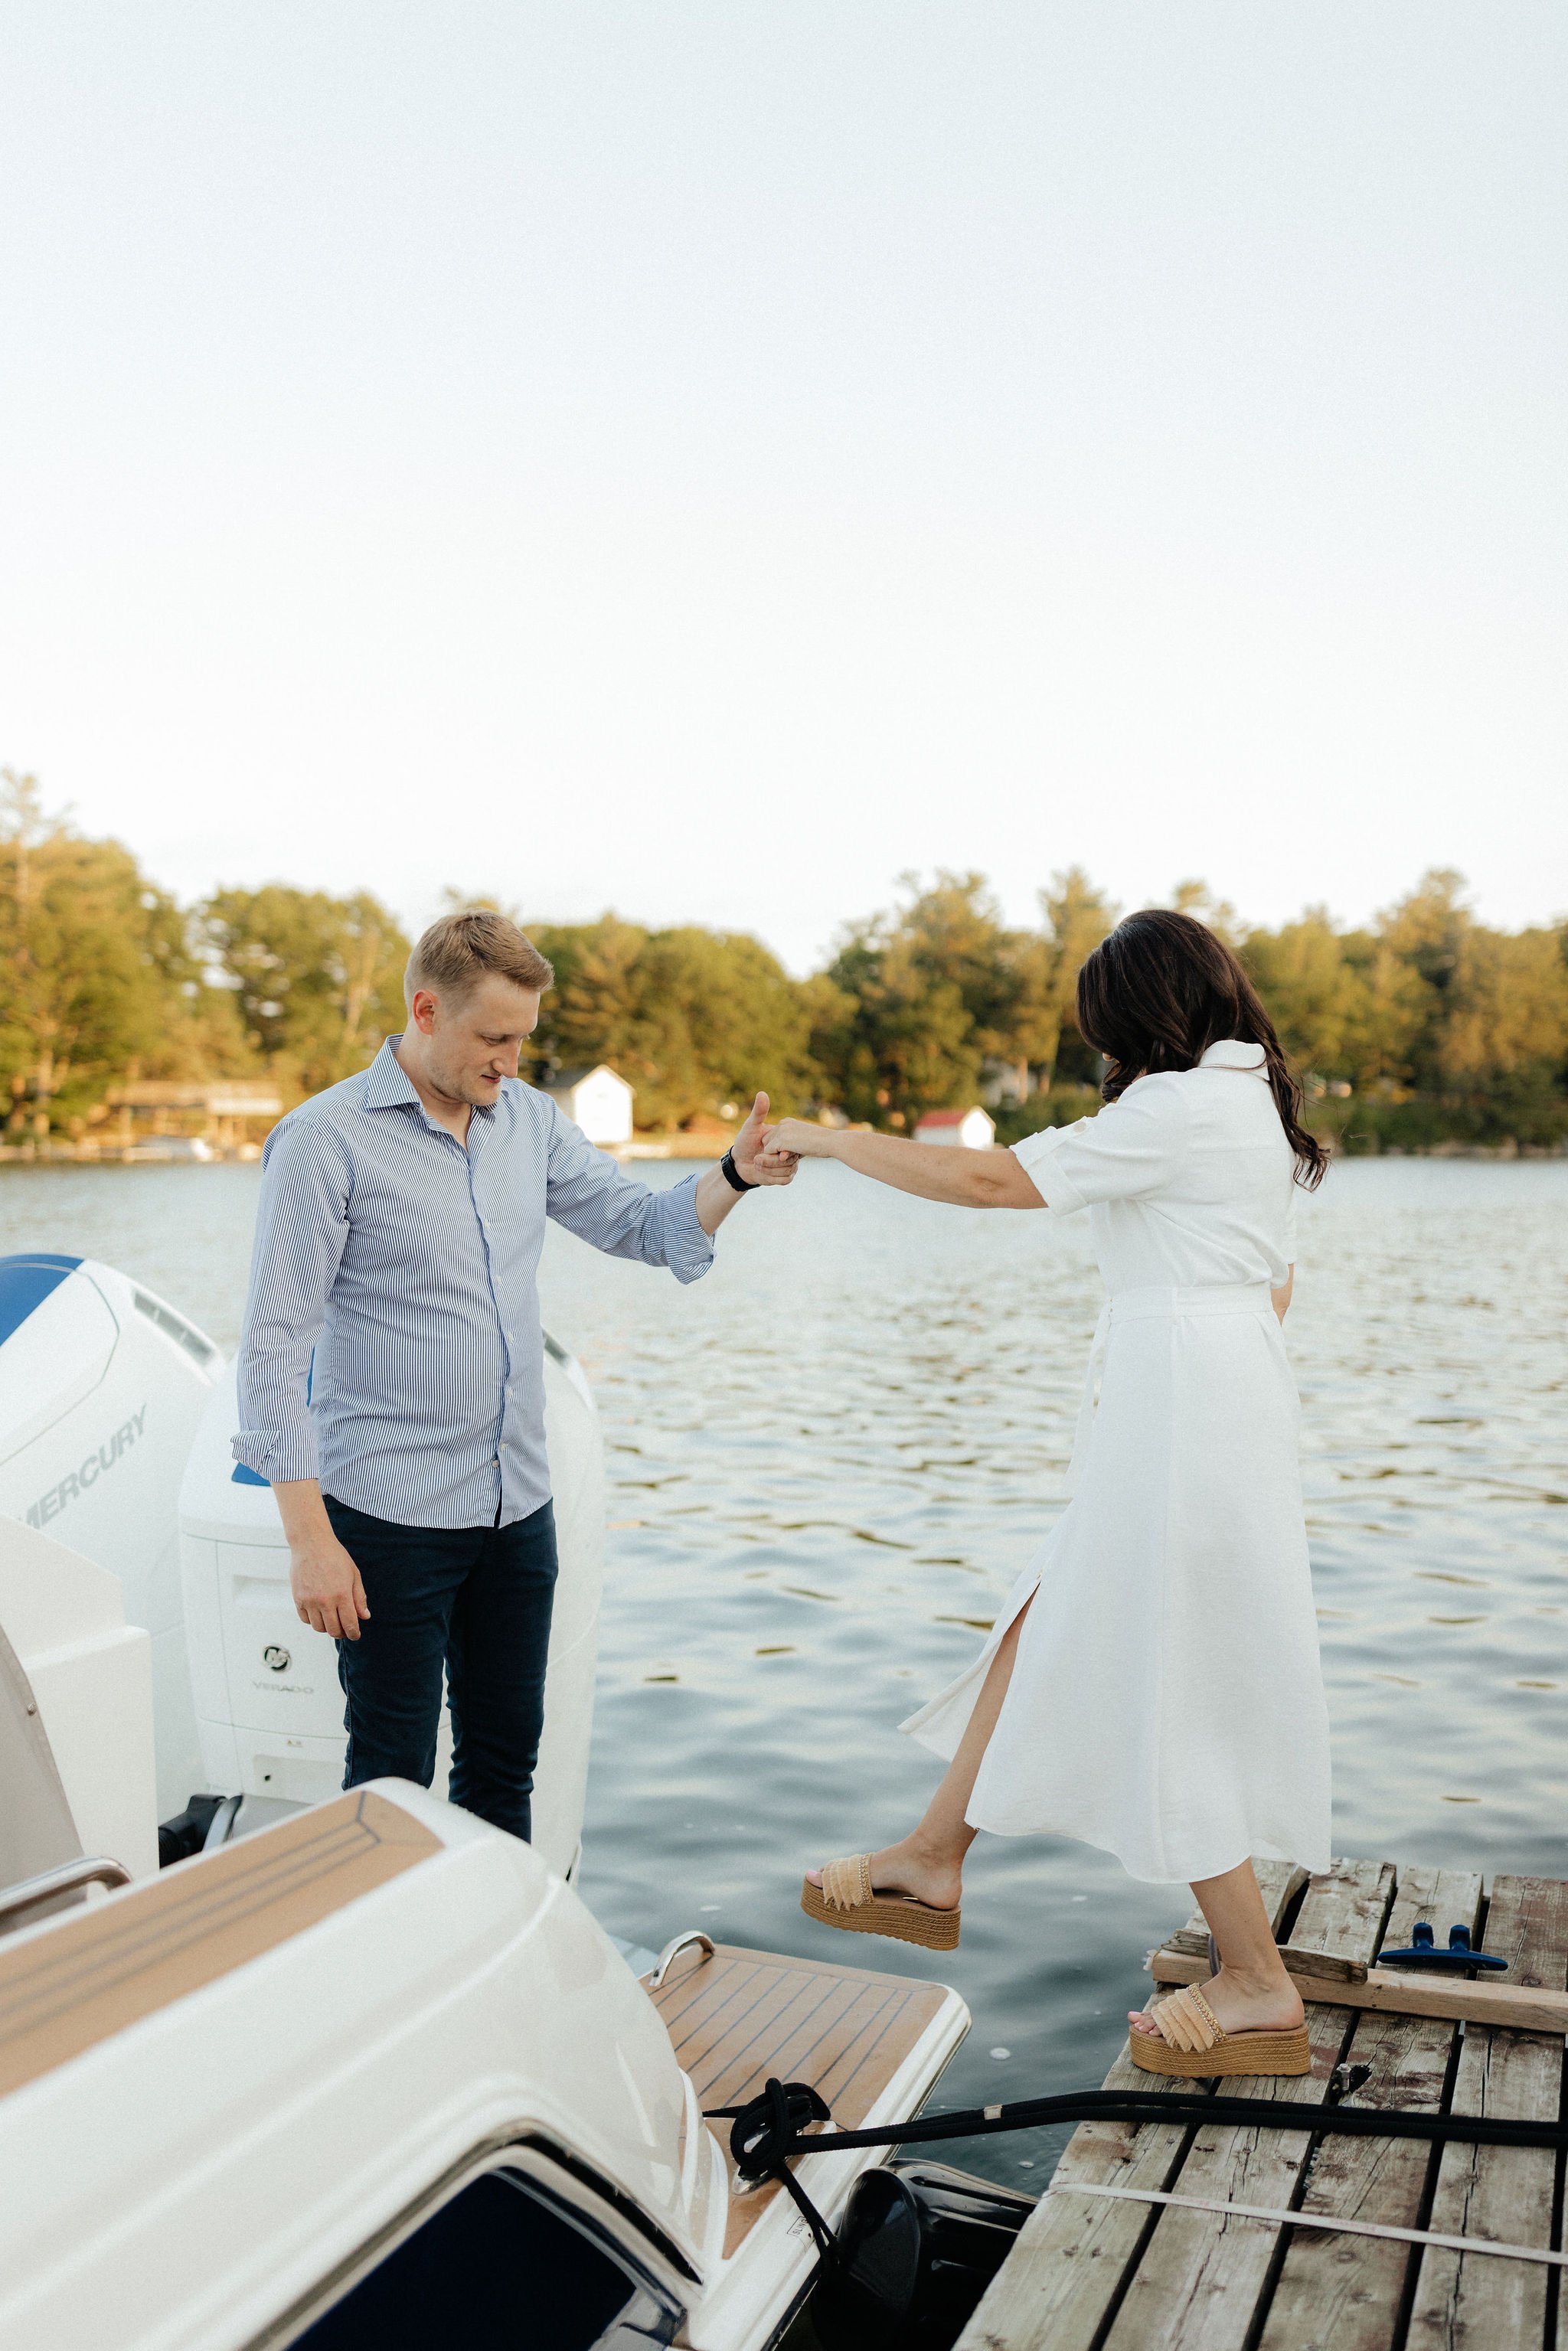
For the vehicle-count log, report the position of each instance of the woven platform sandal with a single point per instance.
(845, 1899)
(1193, 2044)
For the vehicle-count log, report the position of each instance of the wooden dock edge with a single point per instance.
(1519, 2008)
(1134, 2271)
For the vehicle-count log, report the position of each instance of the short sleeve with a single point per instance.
(1292, 1225)
(1131, 1147)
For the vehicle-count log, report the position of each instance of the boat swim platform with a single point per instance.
(739, 2015)
(1120, 2272)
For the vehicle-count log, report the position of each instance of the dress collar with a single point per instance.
(1231, 1053)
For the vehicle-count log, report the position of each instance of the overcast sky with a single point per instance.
(706, 459)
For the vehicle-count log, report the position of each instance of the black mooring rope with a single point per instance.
(768, 2130)
(787, 2104)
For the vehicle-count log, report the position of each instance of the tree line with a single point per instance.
(1422, 1027)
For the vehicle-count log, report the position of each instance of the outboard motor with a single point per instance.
(918, 2244)
(270, 1707)
(101, 1388)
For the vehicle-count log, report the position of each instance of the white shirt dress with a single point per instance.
(1166, 1701)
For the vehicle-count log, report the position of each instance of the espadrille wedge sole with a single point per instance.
(845, 1899)
(1238, 2052)
(1214, 2052)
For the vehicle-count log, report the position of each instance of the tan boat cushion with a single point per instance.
(123, 1959)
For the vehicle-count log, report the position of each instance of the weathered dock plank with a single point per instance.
(1471, 2303)
(1063, 2276)
(1201, 2274)
(1347, 2291)
(1067, 2269)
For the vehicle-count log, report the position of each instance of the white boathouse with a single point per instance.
(598, 1100)
(974, 1129)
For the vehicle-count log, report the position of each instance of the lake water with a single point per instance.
(828, 1460)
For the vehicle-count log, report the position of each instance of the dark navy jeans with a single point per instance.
(476, 1600)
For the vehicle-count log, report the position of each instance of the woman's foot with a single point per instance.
(1241, 2003)
(905, 1869)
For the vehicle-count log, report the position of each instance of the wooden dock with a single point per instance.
(1095, 2272)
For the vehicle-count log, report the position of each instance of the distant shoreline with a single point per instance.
(702, 1149)
(698, 1147)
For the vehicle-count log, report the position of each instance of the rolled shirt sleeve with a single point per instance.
(587, 1193)
(1133, 1146)
(301, 1227)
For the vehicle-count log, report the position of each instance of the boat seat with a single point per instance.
(126, 1958)
(734, 2017)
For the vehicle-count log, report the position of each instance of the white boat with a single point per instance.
(376, 2076)
(370, 2074)
(102, 1384)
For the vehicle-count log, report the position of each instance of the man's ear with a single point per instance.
(421, 1010)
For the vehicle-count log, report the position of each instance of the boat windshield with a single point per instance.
(500, 2265)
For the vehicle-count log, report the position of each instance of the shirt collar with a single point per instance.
(1231, 1053)
(388, 1086)
(387, 1081)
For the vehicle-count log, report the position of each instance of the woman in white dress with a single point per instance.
(1152, 1685)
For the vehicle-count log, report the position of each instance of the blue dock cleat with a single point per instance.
(1424, 1952)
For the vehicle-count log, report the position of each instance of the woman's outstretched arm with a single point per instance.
(966, 1179)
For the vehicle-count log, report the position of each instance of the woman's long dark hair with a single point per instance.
(1159, 991)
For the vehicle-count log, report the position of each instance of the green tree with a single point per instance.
(85, 977)
(933, 991)
(319, 979)
(1218, 914)
(1317, 998)
(1508, 1023)
(1075, 917)
(1426, 934)
(592, 1013)
(695, 1021)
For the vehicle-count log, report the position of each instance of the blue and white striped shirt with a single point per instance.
(407, 1264)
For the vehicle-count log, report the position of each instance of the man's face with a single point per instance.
(473, 1040)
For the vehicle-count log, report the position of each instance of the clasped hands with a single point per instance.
(781, 1148)
(770, 1154)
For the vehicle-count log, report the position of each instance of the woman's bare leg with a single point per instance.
(1252, 1992)
(929, 1861)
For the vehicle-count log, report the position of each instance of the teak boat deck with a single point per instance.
(1101, 2274)
(741, 2015)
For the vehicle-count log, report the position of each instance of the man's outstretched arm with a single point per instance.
(588, 1195)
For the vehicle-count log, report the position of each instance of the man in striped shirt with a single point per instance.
(390, 1373)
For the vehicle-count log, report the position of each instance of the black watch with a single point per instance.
(732, 1174)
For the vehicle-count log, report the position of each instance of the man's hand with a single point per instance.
(715, 1195)
(328, 1592)
(328, 1588)
(748, 1150)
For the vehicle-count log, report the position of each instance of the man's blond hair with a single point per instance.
(455, 954)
